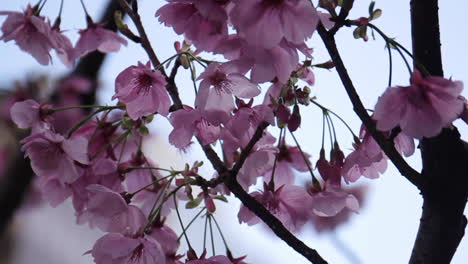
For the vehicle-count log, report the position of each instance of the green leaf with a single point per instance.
(193, 203)
(221, 198)
(360, 32)
(149, 118)
(143, 130)
(371, 8)
(357, 32)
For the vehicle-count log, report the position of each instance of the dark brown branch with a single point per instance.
(445, 157)
(246, 151)
(442, 226)
(387, 146)
(425, 35)
(221, 168)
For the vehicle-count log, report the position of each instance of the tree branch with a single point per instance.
(444, 157)
(387, 146)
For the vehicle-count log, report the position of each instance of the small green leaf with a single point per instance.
(221, 198)
(193, 203)
(127, 122)
(371, 8)
(149, 118)
(357, 33)
(143, 130)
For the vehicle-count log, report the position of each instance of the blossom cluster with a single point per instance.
(99, 163)
(35, 35)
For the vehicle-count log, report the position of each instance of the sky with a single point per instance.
(382, 232)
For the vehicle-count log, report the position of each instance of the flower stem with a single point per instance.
(190, 223)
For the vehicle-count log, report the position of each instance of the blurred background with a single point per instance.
(385, 228)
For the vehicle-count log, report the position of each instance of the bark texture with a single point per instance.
(444, 157)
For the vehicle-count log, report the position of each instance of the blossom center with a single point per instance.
(143, 83)
(221, 83)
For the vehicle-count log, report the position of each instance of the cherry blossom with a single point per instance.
(224, 81)
(331, 223)
(237, 134)
(266, 23)
(288, 158)
(109, 211)
(366, 160)
(95, 37)
(289, 203)
(30, 114)
(188, 123)
(204, 23)
(62, 45)
(53, 156)
(421, 109)
(167, 238)
(266, 64)
(116, 248)
(331, 200)
(142, 90)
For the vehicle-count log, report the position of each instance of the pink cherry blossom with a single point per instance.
(421, 109)
(237, 134)
(289, 203)
(102, 132)
(103, 171)
(115, 248)
(30, 32)
(331, 223)
(167, 238)
(62, 45)
(331, 200)
(404, 144)
(188, 123)
(53, 190)
(53, 156)
(329, 170)
(366, 160)
(265, 64)
(108, 210)
(95, 37)
(288, 158)
(266, 23)
(224, 81)
(202, 22)
(142, 90)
